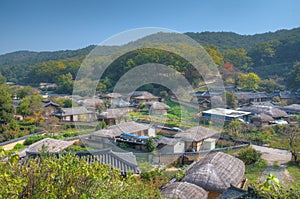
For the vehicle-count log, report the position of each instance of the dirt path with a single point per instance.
(272, 155)
(276, 160)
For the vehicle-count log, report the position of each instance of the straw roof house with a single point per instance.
(194, 137)
(268, 110)
(263, 117)
(50, 145)
(157, 108)
(216, 172)
(183, 190)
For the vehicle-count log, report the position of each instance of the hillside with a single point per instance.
(269, 54)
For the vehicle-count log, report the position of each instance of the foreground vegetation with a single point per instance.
(69, 177)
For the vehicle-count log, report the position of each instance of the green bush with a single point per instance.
(249, 155)
(32, 139)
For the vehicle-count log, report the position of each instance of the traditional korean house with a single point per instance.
(111, 96)
(215, 173)
(194, 137)
(157, 108)
(291, 109)
(288, 97)
(167, 145)
(126, 127)
(244, 98)
(76, 114)
(142, 97)
(113, 116)
(261, 120)
(274, 112)
(50, 108)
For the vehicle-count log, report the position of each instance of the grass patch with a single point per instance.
(254, 171)
(294, 171)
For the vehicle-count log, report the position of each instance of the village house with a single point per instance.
(215, 173)
(111, 96)
(113, 116)
(126, 127)
(274, 112)
(50, 107)
(91, 103)
(246, 97)
(288, 97)
(194, 137)
(167, 145)
(142, 97)
(224, 115)
(261, 120)
(46, 145)
(291, 109)
(157, 108)
(76, 114)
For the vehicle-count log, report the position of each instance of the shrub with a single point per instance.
(249, 155)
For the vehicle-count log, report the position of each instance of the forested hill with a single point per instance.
(230, 40)
(269, 55)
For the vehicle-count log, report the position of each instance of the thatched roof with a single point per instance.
(50, 145)
(216, 172)
(268, 110)
(91, 102)
(157, 105)
(293, 108)
(183, 190)
(262, 117)
(196, 134)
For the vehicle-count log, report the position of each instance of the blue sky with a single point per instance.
(47, 25)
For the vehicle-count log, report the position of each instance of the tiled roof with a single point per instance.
(123, 161)
(73, 111)
(250, 95)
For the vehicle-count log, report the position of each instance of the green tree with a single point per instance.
(25, 91)
(249, 155)
(269, 86)
(65, 84)
(239, 58)
(150, 145)
(2, 79)
(234, 128)
(101, 125)
(231, 99)
(263, 52)
(248, 81)
(32, 107)
(6, 105)
(63, 102)
(294, 77)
